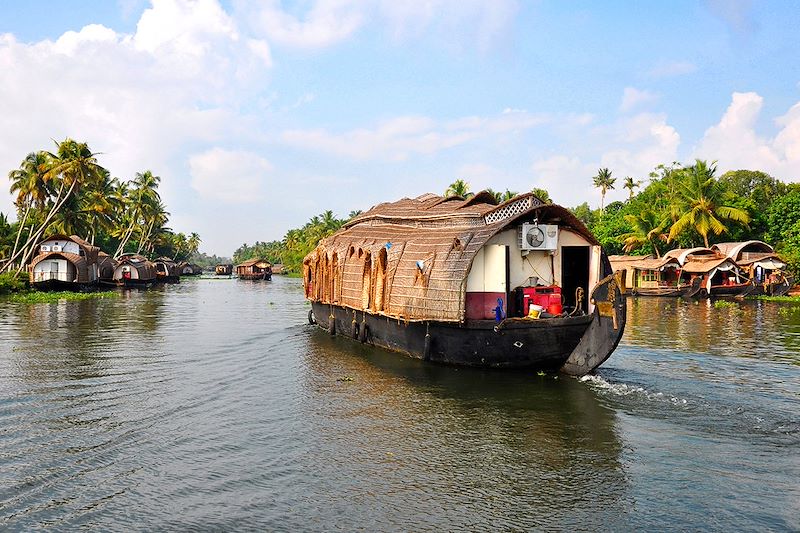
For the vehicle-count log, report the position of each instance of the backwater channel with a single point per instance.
(212, 405)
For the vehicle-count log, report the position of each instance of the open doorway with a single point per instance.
(574, 274)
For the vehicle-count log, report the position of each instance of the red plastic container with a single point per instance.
(544, 296)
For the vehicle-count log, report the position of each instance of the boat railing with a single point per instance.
(47, 276)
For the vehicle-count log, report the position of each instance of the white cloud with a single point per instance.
(735, 143)
(633, 98)
(398, 138)
(328, 22)
(230, 176)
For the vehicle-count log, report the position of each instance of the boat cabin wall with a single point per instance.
(126, 272)
(64, 245)
(57, 269)
(489, 280)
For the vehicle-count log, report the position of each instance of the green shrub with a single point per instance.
(13, 282)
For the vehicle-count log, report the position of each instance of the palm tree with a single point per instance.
(631, 184)
(648, 229)
(32, 191)
(142, 198)
(459, 188)
(698, 203)
(72, 167)
(542, 195)
(604, 182)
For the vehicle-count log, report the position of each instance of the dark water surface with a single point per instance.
(211, 405)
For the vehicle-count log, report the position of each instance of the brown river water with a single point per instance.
(212, 405)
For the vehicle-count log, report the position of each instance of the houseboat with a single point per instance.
(65, 263)
(650, 276)
(710, 273)
(105, 268)
(758, 260)
(134, 270)
(189, 269)
(223, 270)
(254, 269)
(167, 270)
(520, 285)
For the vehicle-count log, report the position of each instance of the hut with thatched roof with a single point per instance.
(459, 280)
(64, 263)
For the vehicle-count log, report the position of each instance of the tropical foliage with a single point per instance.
(686, 206)
(68, 192)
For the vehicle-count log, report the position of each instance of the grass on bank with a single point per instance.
(37, 297)
(791, 299)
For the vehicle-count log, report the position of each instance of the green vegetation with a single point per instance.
(68, 192)
(687, 206)
(725, 304)
(36, 297)
(12, 282)
(787, 299)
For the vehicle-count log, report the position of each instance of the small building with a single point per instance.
(627, 263)
(64, 263)
(254, 269)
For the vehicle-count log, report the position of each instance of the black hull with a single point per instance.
(672, 292)
(56, 285)
(741, 289)
(135, 283)
(255, 277)
(544, 344)
(168, 279)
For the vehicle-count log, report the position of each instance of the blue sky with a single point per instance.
(259, 114)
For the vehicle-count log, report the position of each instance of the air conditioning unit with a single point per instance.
(538, 237)
(45, 248)
(56, 248)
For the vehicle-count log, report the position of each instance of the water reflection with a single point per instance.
(765, 330)
(512, 447)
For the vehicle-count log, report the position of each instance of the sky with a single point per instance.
(259, 114)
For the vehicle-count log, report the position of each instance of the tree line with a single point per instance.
(68, 192)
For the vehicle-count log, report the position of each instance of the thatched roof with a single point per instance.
(683, 254)
(734, 250)
(410, 259)
(704, 265)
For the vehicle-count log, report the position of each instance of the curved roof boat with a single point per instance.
(764, 267)
(64, 263)
(167, 270)
(254, 269)
(134, 270)
(458, 281)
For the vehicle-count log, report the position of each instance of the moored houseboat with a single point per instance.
(65, 263)
(659, 277)
(758, 260)
(522, 284)
(710, 273)
(254, 269)
(167, 270)
(189, 269)
(134, 270)
(105, 268)
(223, 270)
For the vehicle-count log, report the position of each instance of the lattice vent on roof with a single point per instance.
(511, 210)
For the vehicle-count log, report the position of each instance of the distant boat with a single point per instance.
(134, 270)
(765, 269)
(167, 270)
(649, 276)
(254, 269)
(710, 273)
(223, 270)
(65, 263)
(189, 269)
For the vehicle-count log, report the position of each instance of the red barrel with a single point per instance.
(554, 306)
